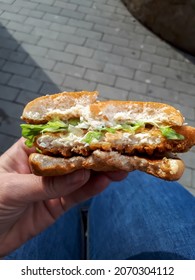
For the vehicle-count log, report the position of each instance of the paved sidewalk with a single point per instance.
(53, 45)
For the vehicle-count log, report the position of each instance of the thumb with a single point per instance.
(27, 188)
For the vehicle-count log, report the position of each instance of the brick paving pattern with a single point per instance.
(47, 46)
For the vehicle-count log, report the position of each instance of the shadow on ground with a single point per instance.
(19, 83)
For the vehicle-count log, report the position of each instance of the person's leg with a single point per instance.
(61, 241)
(142, 217)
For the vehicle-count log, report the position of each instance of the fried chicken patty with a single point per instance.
(149, 141)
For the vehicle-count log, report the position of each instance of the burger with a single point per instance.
(73, 130)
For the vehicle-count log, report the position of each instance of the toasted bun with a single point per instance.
(136, 111)
(167, 169)
(67, 105)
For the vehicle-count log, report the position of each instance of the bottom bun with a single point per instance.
(166, 168)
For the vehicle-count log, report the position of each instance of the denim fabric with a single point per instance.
(141, 217)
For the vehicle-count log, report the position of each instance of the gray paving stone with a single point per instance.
(187, 111)
(24, 37)
(49, 2)
(88, 33)
(108, 57)
(60, 56)
(104, 7)
(62, 28)
(8, 93)
(117, 3)
(4, 33)
(49, 88)
(45, 33)
(180, 86)
(109, 92)
(12, 126)
(33, 49)
(6, 142)
(149, 78)
(79, 84)
(55, 18)
(97, 19)
(182, 65)
(189, 159)
(7, 1)
(86, 3)
(94, 11)
(26, 96)
(142, 46)
(163, 93)
(137, 64)
(80, 23)
(9, 44)
(9, 8)
(166, 72)
(115, 40)
(25, 83)
(186, 180)
(11, 110)
(30, 12)
(17, 56)
(71, 39)
(153, 58)
(98, 45)
(169, 53)
(186, 99)
(19, 27)
(37, 22)
(18, 68)
(27, 4)
(115, 31)
(51, 44)
(128, 52)
(2, 62)
(142, 97)
(44, 63)
(83, 51)
(48, 76)
(4, 77)
(129, 85)
(118, 70)
(100, 77)
(89, 63)
(13, 16)
(72, 14)
(65, 5)
(69, 69)
(48, 9)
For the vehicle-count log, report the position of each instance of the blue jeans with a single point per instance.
(141, 217)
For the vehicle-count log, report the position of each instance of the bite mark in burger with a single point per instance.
(72, 130)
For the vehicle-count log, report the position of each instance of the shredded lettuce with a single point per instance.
(91, 136)
(132, 127)
(170, 133)
(29, 131)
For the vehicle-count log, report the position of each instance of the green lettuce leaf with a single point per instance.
(170, 133)
(132, 127)
(92, 135)
(29, 131)
(107, 129)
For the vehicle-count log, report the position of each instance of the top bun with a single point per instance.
(84, 104)
(61, 105)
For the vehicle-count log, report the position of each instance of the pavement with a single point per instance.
(47, 46)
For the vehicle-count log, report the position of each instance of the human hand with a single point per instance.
(29, 204)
